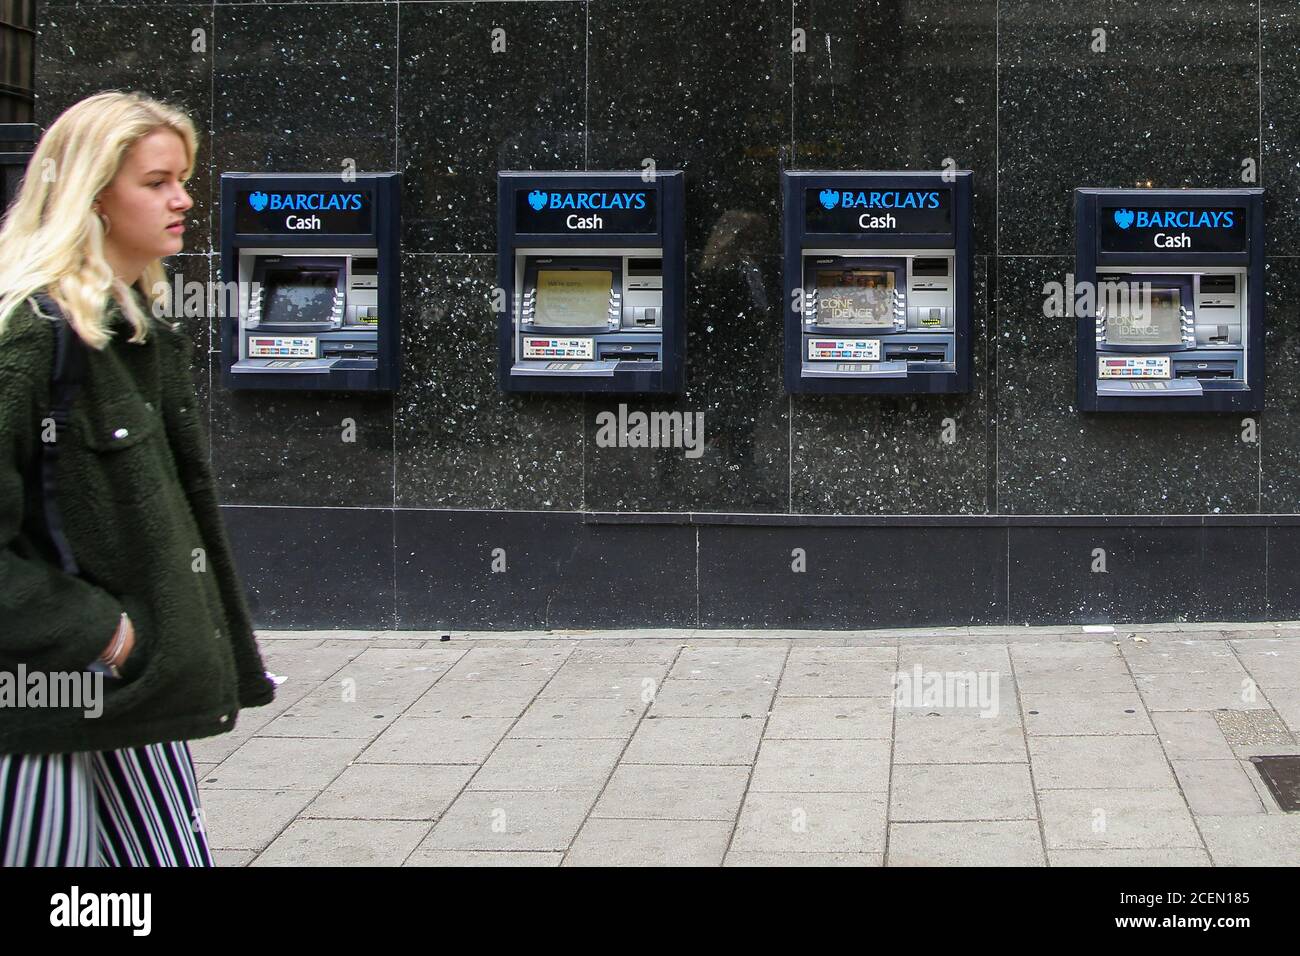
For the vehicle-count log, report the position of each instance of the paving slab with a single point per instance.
(984, 657)
(571, 717)
(489, 820)
(695, 740)
(464, 740)
(1255, 840)
(958, 738)
(1204, 691)
(604, 842)
(582, 765)
(310, 665)
(741, 664)
(838, 679)
(713, 698)
(637, 681)
(1191, 735)
(390, 792)
(987, 843)
(811, 823)
(248, 819)
(822, 766)
(343, 843)
(1076, 681)
(934, 792)
(329, 715)
(285, 763)
(638, 651)
(1217, 787)
(667, 792)
(233, 858)
(830, 718)
(1183, 657)
(1072, 763)
(476, 698)
(509, 663)
(1106, 714)
(1116, 819)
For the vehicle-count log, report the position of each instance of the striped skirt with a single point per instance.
(134, 807)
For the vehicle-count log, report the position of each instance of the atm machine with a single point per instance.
(1172, 286)
(594, 269)
(878, 288)
(315, 260)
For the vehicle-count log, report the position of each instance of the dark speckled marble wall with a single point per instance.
(1184, 93)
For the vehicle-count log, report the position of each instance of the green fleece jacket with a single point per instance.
(140, 513)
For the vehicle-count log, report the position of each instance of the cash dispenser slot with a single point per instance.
(1206, 371)
(916, 353)
(628, 352)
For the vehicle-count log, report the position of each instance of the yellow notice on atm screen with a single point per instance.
(573, 297)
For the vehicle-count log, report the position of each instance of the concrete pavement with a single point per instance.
(980, 746)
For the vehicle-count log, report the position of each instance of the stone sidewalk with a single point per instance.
(980, 746)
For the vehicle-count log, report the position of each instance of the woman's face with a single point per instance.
(146, 202)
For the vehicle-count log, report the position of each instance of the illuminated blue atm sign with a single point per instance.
(581, 211)
(346, 212)
(834, 210)
(1172, 229)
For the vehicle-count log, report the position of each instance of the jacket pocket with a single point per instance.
(121, 438)
(117, 424)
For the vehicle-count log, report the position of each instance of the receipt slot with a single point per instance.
(1169, 299)
(877, 282)
(593, 265)
(314, 262)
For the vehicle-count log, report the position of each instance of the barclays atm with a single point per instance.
(593, 266)
(1172, 290)
(877, 282)
(315, 259)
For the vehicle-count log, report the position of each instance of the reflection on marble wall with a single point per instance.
(1185, 93)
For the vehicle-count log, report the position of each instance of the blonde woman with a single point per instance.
(117, 589)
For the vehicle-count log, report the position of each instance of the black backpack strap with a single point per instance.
(66, 378)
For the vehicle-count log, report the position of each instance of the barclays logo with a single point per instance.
(540, 200)
(297, 202)
(878, 199)
(1175, 218)
(1185, 219)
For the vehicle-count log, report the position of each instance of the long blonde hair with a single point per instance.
(53, 241)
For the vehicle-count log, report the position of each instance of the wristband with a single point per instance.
(119, 639)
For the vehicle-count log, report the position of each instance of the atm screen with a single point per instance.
(573, 297)
(300, 296)
(855, 297)
(1156, 319)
